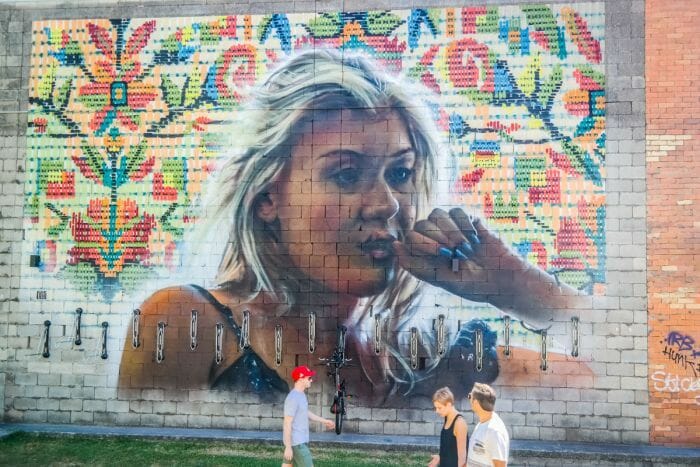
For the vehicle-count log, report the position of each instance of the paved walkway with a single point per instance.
(519, 448)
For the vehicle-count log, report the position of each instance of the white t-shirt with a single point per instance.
(296, 405)
(489, 441)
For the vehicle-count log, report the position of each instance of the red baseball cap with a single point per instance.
(302, 371)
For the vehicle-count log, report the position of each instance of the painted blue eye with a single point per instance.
(399, 175)
(346, 177)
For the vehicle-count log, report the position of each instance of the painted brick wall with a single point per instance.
(80, 388)
(673, 164)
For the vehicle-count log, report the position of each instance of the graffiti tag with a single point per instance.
(665, 382)
(682, 342)
(680, 349)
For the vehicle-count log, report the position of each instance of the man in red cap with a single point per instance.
(295, 431)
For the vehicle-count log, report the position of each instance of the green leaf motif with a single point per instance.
(193, 87)
(133, 277)
(73, 48)
(382, 22)
(170, 44)
(265, 23)
(45, 88)
(550, 87)
(488, 23)
(136, 157)
(589, 72)
(476, 96)
(171, 93)
(82, 275)
(207, 36)
(325, 25)
(541, 18)
(60, 99)
(93, 159)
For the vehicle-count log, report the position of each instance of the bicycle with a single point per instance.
(337, 361)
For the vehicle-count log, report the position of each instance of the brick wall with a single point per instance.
(673, 165)
(610, 405)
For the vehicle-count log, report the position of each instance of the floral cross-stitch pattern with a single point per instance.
(127, 119)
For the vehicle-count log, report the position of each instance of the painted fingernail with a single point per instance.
(460, 255)
(446, 252)
(473, 237)
(466, 248)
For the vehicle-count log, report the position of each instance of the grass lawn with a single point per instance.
(35, 449)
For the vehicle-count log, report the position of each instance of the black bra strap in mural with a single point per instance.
(223, 309)
(249, 372)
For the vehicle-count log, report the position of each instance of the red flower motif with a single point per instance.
(116, 91)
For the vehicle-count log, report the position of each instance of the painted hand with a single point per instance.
(459, 254)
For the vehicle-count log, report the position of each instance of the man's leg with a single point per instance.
(302, 456)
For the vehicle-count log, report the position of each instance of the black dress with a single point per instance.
(448, 444)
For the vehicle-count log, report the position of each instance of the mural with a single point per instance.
(430, 179)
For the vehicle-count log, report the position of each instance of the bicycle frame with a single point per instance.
(335, 363)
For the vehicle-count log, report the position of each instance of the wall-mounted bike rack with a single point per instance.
(479, 350)
(441, 340)
(244, 341)
(312, 331)
(543, 350)
(219, 343)
(414, 347)
(103, 353)
(506, 336)
(160, 342)
(377, 334)
(278, 345)
(135, 322)
(575, 333)
(79, 314)
(45, 337)
(193, 330)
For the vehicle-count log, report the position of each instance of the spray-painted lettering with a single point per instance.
(665, 382)
(682, 342)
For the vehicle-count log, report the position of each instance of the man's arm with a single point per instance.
(498, 463)
(329, 424)
(287, 437)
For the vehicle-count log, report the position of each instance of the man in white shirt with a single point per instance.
(489, 444)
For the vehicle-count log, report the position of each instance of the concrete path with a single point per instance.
(523, 449)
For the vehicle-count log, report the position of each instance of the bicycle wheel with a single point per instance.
(339, 403)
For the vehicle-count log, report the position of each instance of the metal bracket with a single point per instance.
(160, 342)
(79, 313)
(414, 348)
(312, 332)
(244, 341)
(278, 345)
(479, 360)
(506, 335)
(193, 330)
(135, 321)
(219, 343)
(441, 344)
(543, 351)
(575, 334)
(45, 337)
(103, 354)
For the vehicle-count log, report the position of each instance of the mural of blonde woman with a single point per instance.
(329, 219)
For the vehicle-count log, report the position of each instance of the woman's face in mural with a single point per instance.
(347, 194)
